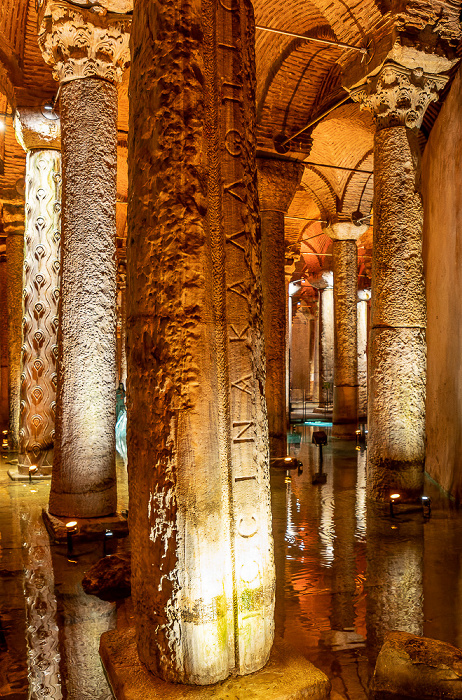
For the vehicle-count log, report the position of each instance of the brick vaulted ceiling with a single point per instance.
(297, 81)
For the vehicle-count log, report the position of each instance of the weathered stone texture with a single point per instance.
(417, 667)
(83, 479)
(13, 224)
(325, 353)
(109, 578)
(203, 581)
(345, 411)
(397, 362)
(277, 184)
(41, 296)
(3, 345)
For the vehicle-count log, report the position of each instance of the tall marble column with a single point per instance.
(83, 478)
(345, 267)
(13, 226)
(398, 97)
(41, 139)
(277, 183)
(325, 286)
(364, 296)
(200, 523)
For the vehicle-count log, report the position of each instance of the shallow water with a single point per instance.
(344, 577)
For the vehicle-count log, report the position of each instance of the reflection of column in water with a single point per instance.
(360, 533)
(41, 628)
(278, 502)
(343, 565)
(394, 575)
(326, 525)
(82, 621)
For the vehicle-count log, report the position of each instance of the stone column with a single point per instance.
(40, 138)
(121, 322)
(200, 523)
(83, 478)
(345, 266)
(361, 313)
(325, 286)
(13, 226)
(277, 183)
(398, 98)
(3, 344)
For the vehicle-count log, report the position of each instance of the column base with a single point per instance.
(286, 676)
(88, 528)
(16, 475)
(344, 431)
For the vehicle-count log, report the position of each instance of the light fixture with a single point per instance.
(32, 471)
(71, 529)
(394, 498)
(5, 440)
(426, 506)
(107, 535)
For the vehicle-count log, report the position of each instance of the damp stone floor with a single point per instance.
(344, 577)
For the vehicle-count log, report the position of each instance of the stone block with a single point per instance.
(88, 528)
(409, 666)
(287, 676)
(109, 578)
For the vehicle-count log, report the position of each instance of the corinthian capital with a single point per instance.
(83, 43)
(399, 96)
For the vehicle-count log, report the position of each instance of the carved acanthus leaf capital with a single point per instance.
(399, 96)
(83, 43)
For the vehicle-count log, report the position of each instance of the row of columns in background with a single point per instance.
(197, 434)
(308, 345)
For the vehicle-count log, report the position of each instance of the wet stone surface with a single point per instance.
(338, 590)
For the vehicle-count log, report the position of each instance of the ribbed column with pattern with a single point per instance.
(277, 183)
(89, 52)
(398, 97)
(41, 139)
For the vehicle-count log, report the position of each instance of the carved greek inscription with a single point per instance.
(230, 92)
(231, 189)
(247, 527)
(233, 142)
(238, 288)
(243, 426)
(232, 238)
(238, 335)
(233, 7)
(244, 384)
(227, 46)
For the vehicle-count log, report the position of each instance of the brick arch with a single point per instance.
(359, 189)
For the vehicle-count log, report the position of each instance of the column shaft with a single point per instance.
(397, 365)
(14, 228)
(3, 345)
(203, 573)
(274, 324)
(326, 343)
(41, 296)
(345, 411)
(362, 313)
(83, 479)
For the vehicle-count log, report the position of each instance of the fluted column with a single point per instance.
(345, 267)
(398, 97)
(324, 283)
(13, 226)
(277, 183)
(40, 138)
(364, 296)
(89, 52)
(200, 522)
